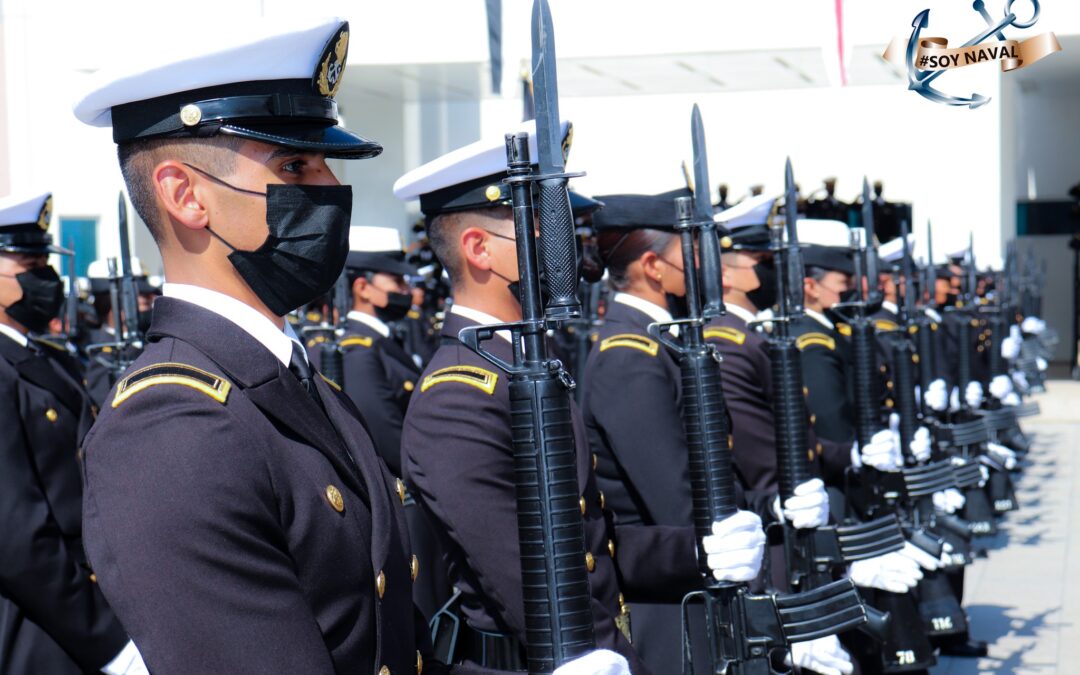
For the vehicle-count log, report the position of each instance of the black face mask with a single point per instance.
(42, 298)
(950, 299)
(397, 306)
(144, 320)
(306, 248)
(764, 296)
(677, 305)
(850, 295)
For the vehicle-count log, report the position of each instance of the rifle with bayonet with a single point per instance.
(127, 344)
(72, 325)
(555, 581)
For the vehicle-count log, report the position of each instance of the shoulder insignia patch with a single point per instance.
(885, 324)
(631, 340)
(727, 333)
(356, 341)
(481, 378)
(809, 339)
(212, 385)
(843, 329)
(317, 340)
(413, 314)
(330, 382)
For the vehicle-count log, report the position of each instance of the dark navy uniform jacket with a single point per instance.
(828, 377)
(379, 378)
(53, 618)
(458, 461)
(237, 527)
(748, 389)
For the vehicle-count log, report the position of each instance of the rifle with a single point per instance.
(873, 294)
(965, 316)
(330, 355)
(71, 307)
(555, 581)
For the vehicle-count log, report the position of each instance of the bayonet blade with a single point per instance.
(791, 207)
(871, 240)
(546, 90)
(125, 247)
(703, 208)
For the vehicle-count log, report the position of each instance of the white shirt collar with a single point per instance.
(480, 318)
(14, 335)
(744, 314)
(819, 317)
(932, 313)
(278, 341)
(653, 310)
(890, 306)
(372, 322)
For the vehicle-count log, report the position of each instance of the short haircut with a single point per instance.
(444, 233)
(215, 155)
(816, 273)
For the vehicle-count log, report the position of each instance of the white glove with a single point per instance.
(127, 662)
(808, 507)
(1000, 386)
(973, 394)
(599, 662)
(1033, 325)
(949, 500)
(1008, 457)
(880, 453)
(920, 444)
(984, 471)
(1010, 346)
(1041, 363)
(936, 396)
(1020, 379)
(890, 572)
(823, 655)
(735, 547)
(1011, 399)
(921, 557)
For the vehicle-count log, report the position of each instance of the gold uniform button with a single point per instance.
(914, 358)
(51, 415)
(590, 561)
(333, 495)
(806, 391)
(384, 671)
(493, 193)
(611, 547)
(419, 663)
(818, 448)
(408, 386)
(414, 568)
(889, 403)
(594, 461)
(810, 454)
(93, 578)
(190, 115)
(602, 501)
(399, 486)
(581, 504)
(380, 584)
(884, 369)
(813, 418)
(889, 384)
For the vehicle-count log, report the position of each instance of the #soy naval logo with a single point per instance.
(927, 58)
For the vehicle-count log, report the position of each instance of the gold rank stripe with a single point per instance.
(843, 329)
(885, 324)
(809, 339)
(330, 382)
(356, 341)
(731, 334)
(213, 386)
(639, 342)
(482, 379)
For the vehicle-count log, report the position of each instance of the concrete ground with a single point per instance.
(1024, 600)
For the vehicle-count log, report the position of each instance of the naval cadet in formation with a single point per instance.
(237, 515)
(465, 481)
(53, 616)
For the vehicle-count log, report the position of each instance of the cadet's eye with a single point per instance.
(293, 166)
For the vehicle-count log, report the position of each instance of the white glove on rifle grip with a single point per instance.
(1008, 457)
(1010, 347)
(1000, 386)
(973, 394)
(599, 662)
(921, 445)
(823, 655)
(1033, 325)
(891, 572)
(881, 453)
(937, 398)
(949, 500)
(808, 507)
(735, 547)
(921, 557)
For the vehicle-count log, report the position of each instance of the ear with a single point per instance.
(174, 187)
(474, 248)
(650, 266)
(358, 285)
(810, 288)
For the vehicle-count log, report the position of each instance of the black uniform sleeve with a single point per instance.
(208, 523)
(374, 396)
(39, 573)
(633, 401)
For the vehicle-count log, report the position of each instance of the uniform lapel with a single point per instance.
(36, 368)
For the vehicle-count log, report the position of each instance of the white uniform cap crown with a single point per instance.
(893, 250)
(822, 232)
(369, 239)
(24, 209)
(750, 211)
(99, 269)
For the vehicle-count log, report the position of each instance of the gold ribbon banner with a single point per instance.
(934, 53)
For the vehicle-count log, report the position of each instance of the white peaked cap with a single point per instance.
(22, 209)
(893, 250)
(821, 232)
(99, 269)
(370, 239)
(750, 211)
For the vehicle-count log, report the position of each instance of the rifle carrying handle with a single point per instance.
(557, 248)
(866, 415)
(789, 411)
(543, 441)
(708, 442)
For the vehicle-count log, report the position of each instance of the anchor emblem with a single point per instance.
(919, 80)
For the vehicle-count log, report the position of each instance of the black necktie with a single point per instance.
(300, 367)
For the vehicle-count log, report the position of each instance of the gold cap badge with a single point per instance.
(331, 66)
